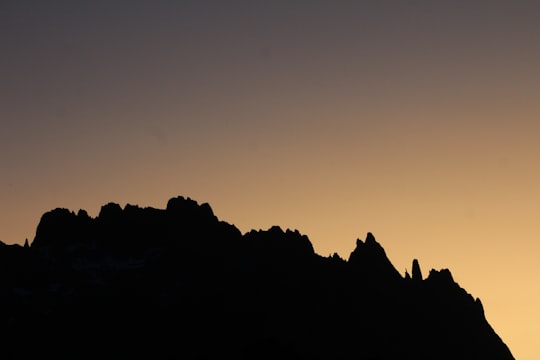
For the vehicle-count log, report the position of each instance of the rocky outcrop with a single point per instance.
(178, 282)
(370, 261)
(416, 272)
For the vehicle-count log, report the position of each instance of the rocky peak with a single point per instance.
(369, 258)
(279, 243)
(110, 211)
(188, 207)
(442, 277)
(55, 227)
(416, 272)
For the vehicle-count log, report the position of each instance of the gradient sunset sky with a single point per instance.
(416, 120)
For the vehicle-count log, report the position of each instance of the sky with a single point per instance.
(417, 121)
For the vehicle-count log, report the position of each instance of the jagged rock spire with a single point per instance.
(407, 276)
(416, 272)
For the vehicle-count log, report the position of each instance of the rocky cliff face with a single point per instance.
(180, 283)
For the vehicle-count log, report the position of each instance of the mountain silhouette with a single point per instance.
(179, 283)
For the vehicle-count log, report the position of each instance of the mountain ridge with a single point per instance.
(132, 272)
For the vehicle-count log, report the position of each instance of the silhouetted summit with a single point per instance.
(180, 283)
(416, 272)
(370, 261)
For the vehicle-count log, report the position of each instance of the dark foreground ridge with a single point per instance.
(178, 283)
